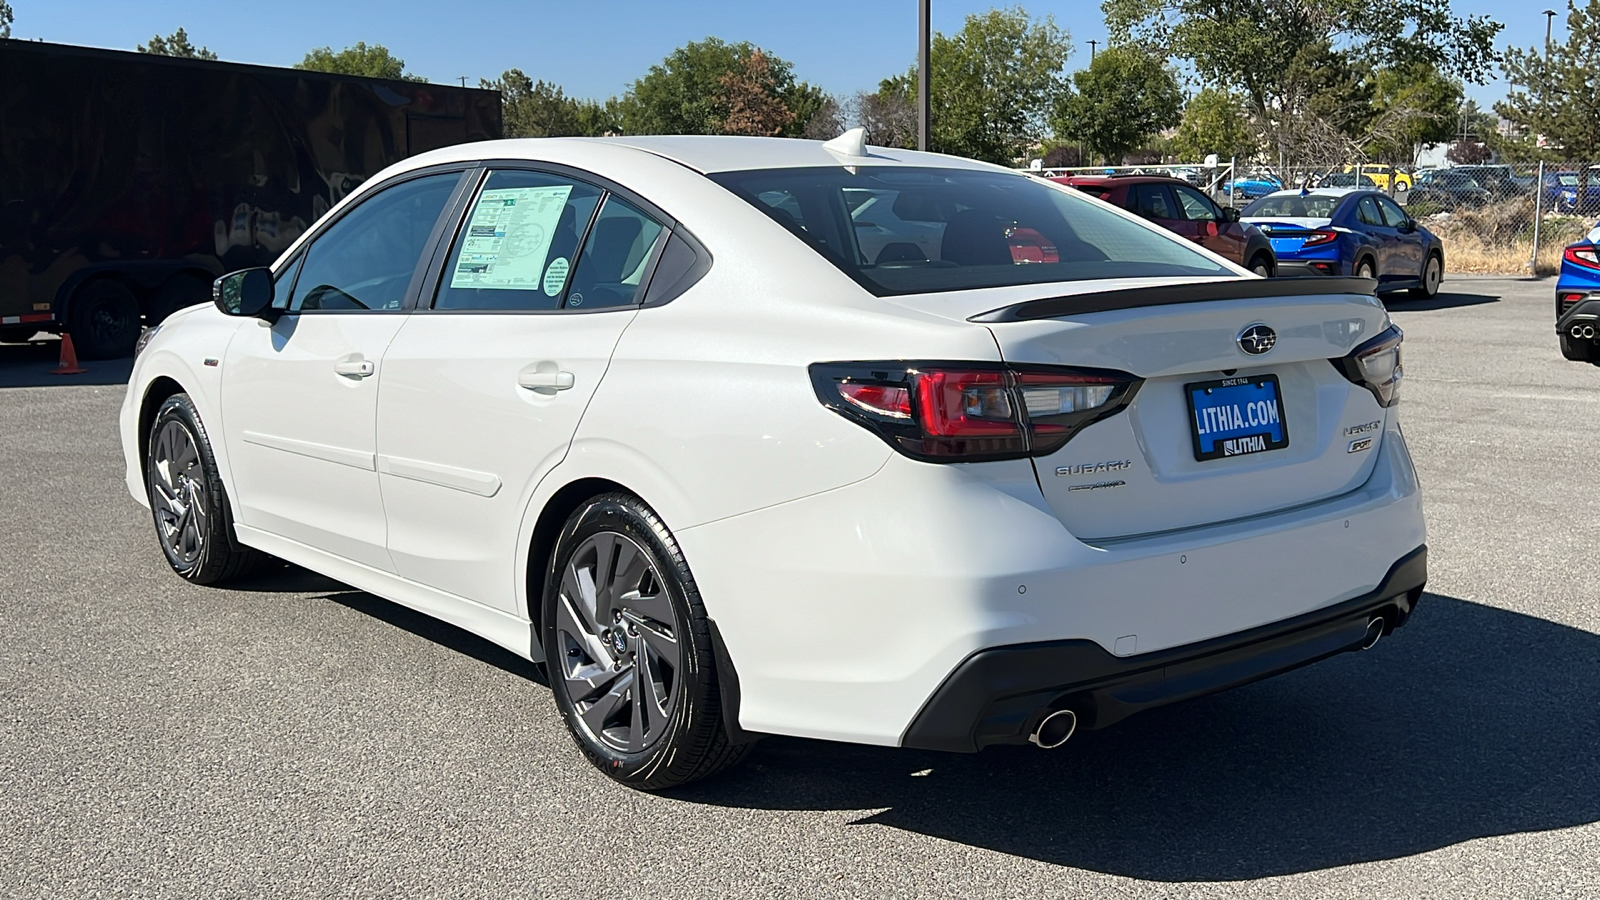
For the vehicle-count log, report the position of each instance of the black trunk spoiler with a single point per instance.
(1169, 294)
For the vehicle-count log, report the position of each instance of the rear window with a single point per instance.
(1294, 206)
(905, 230)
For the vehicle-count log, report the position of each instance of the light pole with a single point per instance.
(1549, 16)
(1092, 45)
(924, 99)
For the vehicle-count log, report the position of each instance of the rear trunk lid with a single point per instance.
(1141, 471)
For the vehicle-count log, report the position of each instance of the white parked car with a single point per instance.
(643, 410)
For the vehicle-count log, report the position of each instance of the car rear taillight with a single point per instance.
(1320, 236)
(971, 412)
(1582, 256)
(1375, 365)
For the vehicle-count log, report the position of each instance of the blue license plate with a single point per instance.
(1236, 416)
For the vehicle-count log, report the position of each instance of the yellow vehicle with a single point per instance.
(1380, 176)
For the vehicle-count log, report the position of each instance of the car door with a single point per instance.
(483, 387)
(299, 395)
(1384, 237)
(1226, 239)
(1155, 202)
(1407, 259)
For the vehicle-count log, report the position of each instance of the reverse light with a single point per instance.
(969, 412)
(1375, 365)
(1582, 256)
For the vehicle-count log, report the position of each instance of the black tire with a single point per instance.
(1430, 284)
(103, 319)
(1261, 264)
(1579, 350)
(690, 741)
(182, 290)
(1366, 268)
(187, 500)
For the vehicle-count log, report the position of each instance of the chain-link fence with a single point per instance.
(1491, 217)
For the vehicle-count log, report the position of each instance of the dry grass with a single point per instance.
(1498, 239)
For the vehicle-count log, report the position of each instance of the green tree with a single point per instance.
(714, 87)
(1413, 104)
(1556, 96)
(538, 109)
(373, 61)
(1215, 121)
(6, 18)
(1277, 55)
(994, 84)
(1125, 97)
(175, 44)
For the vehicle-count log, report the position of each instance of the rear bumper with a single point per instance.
(1312, 267)
(998, 696)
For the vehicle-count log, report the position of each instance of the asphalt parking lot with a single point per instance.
(298, 738)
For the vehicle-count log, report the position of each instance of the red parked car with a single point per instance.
(1176, 206)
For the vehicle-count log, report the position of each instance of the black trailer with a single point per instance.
(129, 181)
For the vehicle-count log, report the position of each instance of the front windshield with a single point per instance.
(905, 230)
(1568, 180)
(1294, 206)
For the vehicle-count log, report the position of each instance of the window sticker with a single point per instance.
(555, 277)
(508, 238)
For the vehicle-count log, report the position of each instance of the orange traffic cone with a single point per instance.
(69, 359)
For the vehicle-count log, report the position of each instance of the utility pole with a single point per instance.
(463, 80)
(1549, 16)
(1092, 45)
(924, 97)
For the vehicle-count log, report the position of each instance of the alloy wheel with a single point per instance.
(178, 494)
(1432, 276)
(616, 653)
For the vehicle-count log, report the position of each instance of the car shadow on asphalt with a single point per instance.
(289, 578)
(29, 365)
(1470, 722)
(1441, 300)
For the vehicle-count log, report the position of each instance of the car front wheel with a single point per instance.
(194, 522)
(628, 648)
(1432, 276)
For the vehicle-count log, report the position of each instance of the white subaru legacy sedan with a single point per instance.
(654, 412)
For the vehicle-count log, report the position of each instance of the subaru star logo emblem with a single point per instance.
(1257, 339)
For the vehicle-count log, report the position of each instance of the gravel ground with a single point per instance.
(297, 738)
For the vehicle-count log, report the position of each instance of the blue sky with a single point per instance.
(593, 48)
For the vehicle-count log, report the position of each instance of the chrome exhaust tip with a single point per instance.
(1055, 729)
(1588, 331)
(1374, 633)
(1576, 331)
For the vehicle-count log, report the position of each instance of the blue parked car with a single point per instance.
(1578, 299)
(1350, 231)
(1561, 192)
(1251, 187)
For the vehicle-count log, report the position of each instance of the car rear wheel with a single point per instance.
(1261, 266)
(1432, 276)
(1365, 269)
(628, 648)
(194, 522)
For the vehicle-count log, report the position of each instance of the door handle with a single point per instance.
(355, 368)
(545, 381)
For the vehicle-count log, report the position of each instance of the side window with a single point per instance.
(1196, 208)
(1393, 215)
(1367, 212)
(1150, 201)
(365, 260)
(515, 250)
(613, 258)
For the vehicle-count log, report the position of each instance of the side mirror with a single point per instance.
(1230, 214)
(246, 293)
(1407, 227)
